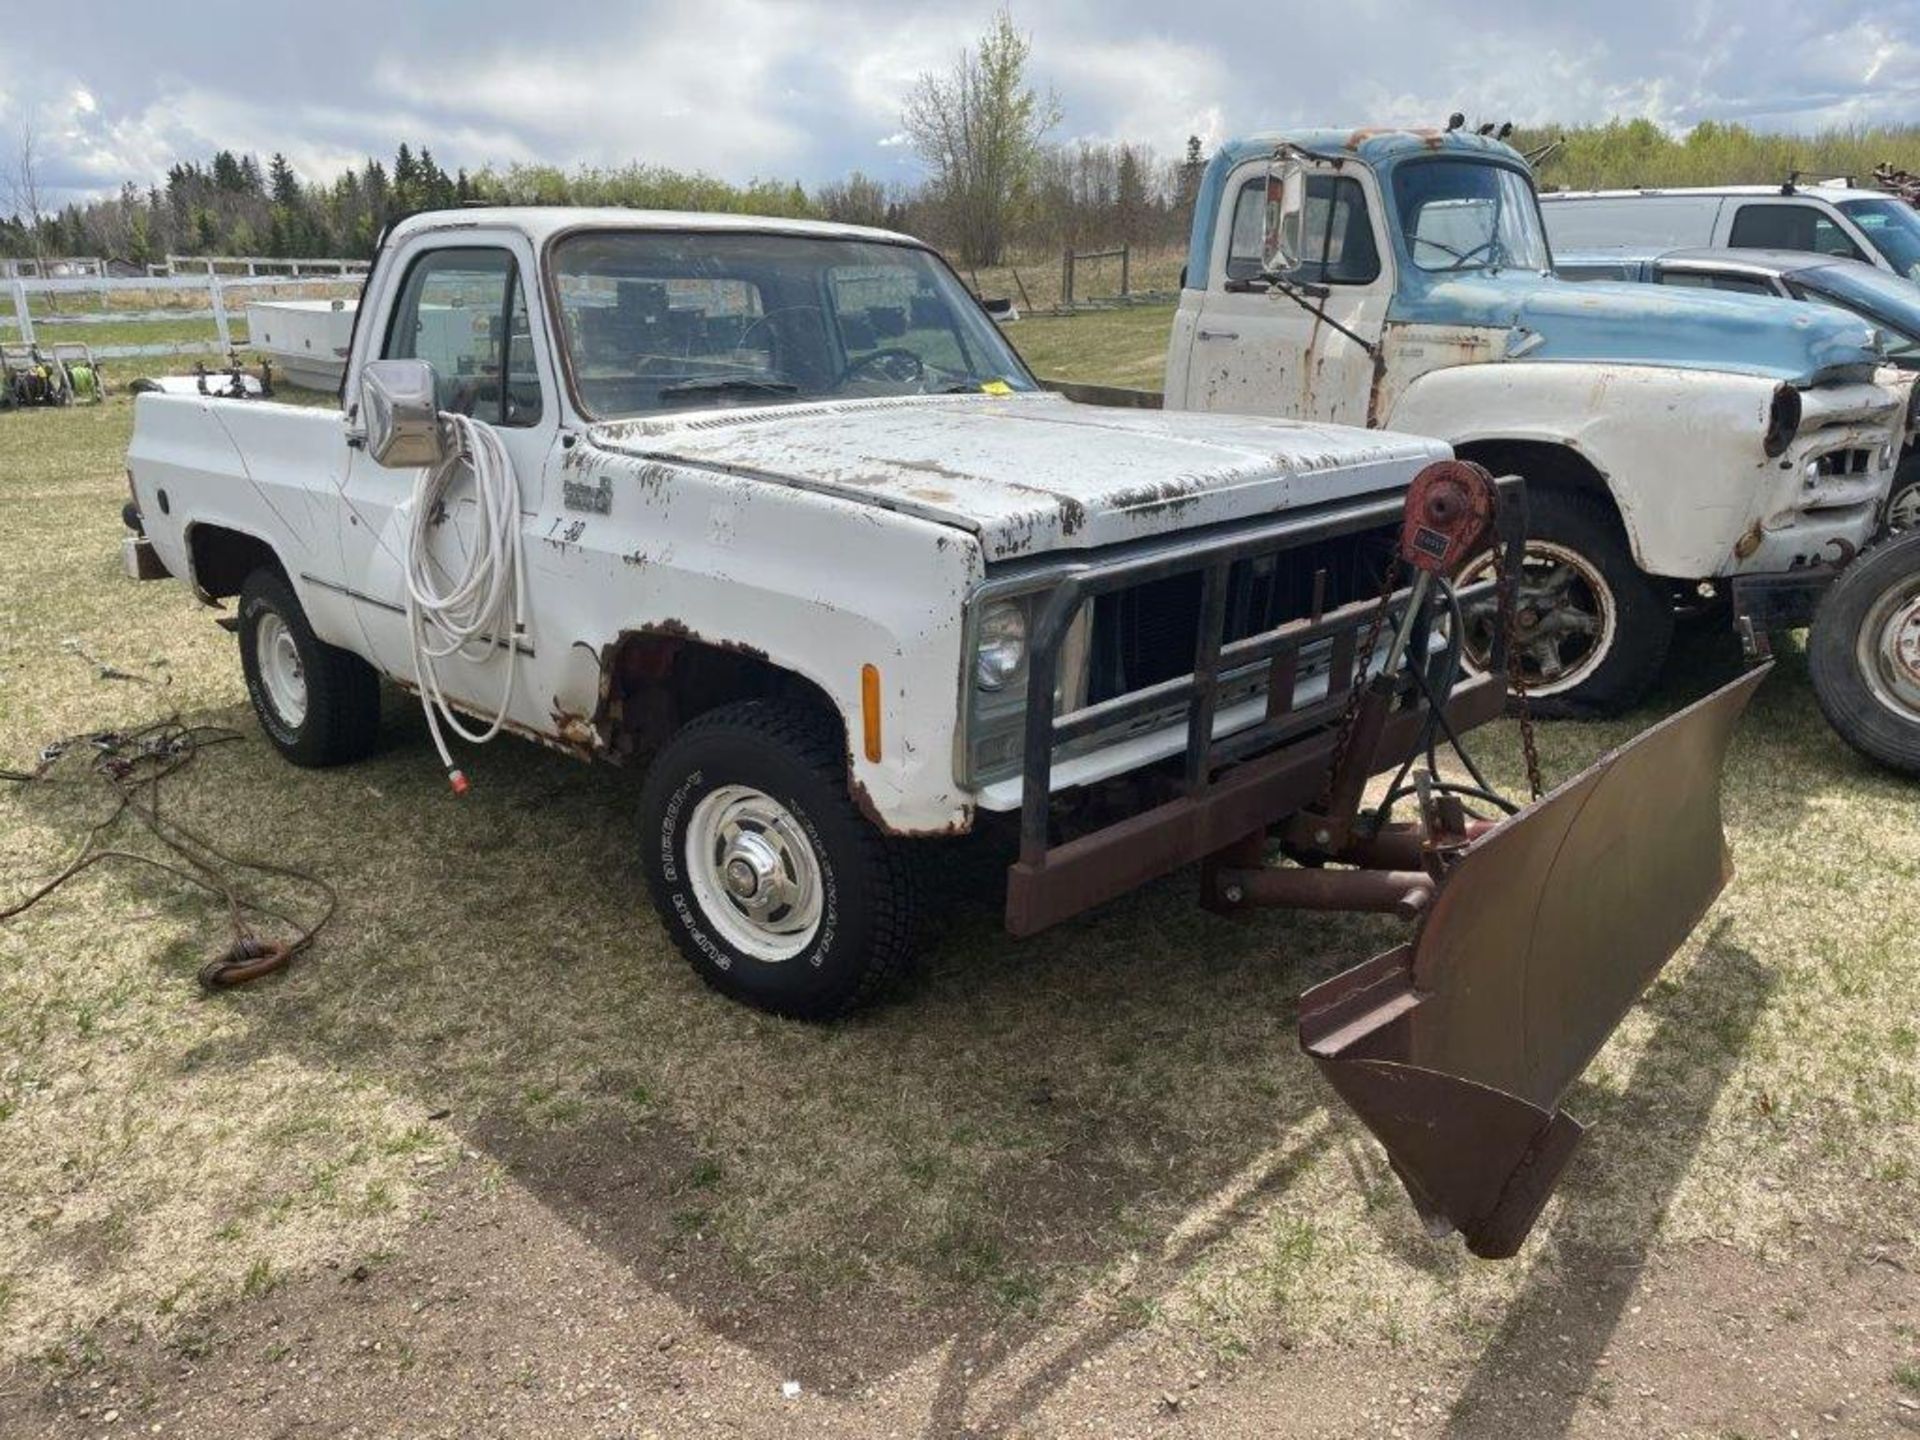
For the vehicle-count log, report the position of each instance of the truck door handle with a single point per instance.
(1219, 335)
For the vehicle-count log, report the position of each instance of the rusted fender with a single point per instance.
(1455, 1050)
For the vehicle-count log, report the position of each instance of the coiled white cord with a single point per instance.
(481, 614)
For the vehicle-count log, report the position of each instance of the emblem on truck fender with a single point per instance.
(595, 496)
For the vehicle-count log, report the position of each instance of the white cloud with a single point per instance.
(1149, 90)
(812, 88)
(658, 97)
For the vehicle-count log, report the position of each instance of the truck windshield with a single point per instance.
(1892, 228)
(1469, 215)
(1881, 299)
(659, 320)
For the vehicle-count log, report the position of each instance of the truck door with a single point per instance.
(1256, 351)
(460, 302)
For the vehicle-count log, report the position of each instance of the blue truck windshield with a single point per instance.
(1469, 215)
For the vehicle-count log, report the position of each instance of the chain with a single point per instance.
(1516, 671)
(1362, 658)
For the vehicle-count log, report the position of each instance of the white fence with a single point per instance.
(254, 265)
(51, 266)
(188, 288)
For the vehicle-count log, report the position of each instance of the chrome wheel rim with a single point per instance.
(281, 674)
(754, 873)
(1888, 648)
(1903, 512)
(1565, 621)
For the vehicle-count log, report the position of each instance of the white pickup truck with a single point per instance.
(773, 507)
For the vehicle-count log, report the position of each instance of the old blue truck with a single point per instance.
(1676, 444)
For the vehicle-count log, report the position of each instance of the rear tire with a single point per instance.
(1864, 654)
(319, 705)
(772, 884)
(1594, 628)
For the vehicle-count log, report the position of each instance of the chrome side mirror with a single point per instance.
(1284, 246)
(399, 413)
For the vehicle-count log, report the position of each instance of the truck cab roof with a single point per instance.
(1378, 147)
(1824, 188)
(542, 222)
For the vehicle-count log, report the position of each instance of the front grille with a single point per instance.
(1149, 634)
(1844, 463)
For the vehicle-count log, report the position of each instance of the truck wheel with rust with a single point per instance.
(1864, 654)
(775, 888)
(1592, 629)
(318, 704)
(1903, 497)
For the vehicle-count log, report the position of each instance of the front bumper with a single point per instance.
(1247, 799)
(1826, 494)
(1782, 601)
(1234, 780)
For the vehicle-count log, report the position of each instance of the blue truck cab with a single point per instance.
(1673, 441)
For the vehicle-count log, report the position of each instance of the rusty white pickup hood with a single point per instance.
(1031, 472)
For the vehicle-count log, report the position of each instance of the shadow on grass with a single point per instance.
(839, 1198)
(1533, 1374)
(842, 1199)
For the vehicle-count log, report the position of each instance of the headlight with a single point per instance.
(1002, 655)
(1783, 421)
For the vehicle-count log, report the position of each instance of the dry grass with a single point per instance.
(1035, 280)
(1112, 347)
(57, 317)
(1114, 1115)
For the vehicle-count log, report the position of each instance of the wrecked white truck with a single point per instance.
(1676, 443)
(773, 508)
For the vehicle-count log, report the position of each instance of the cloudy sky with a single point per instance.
(809, 89)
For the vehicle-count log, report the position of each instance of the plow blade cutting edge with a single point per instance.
(1457, 1048)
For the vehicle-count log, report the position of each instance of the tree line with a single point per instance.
(235, 205)
(1630, 153)
(1085, 195)
(994, 183)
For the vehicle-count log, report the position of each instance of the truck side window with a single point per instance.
(1742, 284)
(1789, 227)
(463, 311)
(1337, 228)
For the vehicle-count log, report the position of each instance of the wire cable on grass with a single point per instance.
(133, 766)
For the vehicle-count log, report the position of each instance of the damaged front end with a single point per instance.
(1533, 934)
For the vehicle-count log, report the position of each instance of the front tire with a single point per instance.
(773, 886)
(1864, 654)
(318, 704)
(1592, 628)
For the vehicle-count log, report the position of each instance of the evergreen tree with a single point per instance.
(228, 176)
(284, 184)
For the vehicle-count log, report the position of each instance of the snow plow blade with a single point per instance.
(1456, 1049)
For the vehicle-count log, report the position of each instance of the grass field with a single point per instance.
(1113, 1119)
(148, 321)
(1035, 281)
(1110, 347)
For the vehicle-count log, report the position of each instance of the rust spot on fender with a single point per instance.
(673, 628)
(576, 731)
(863, 802)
